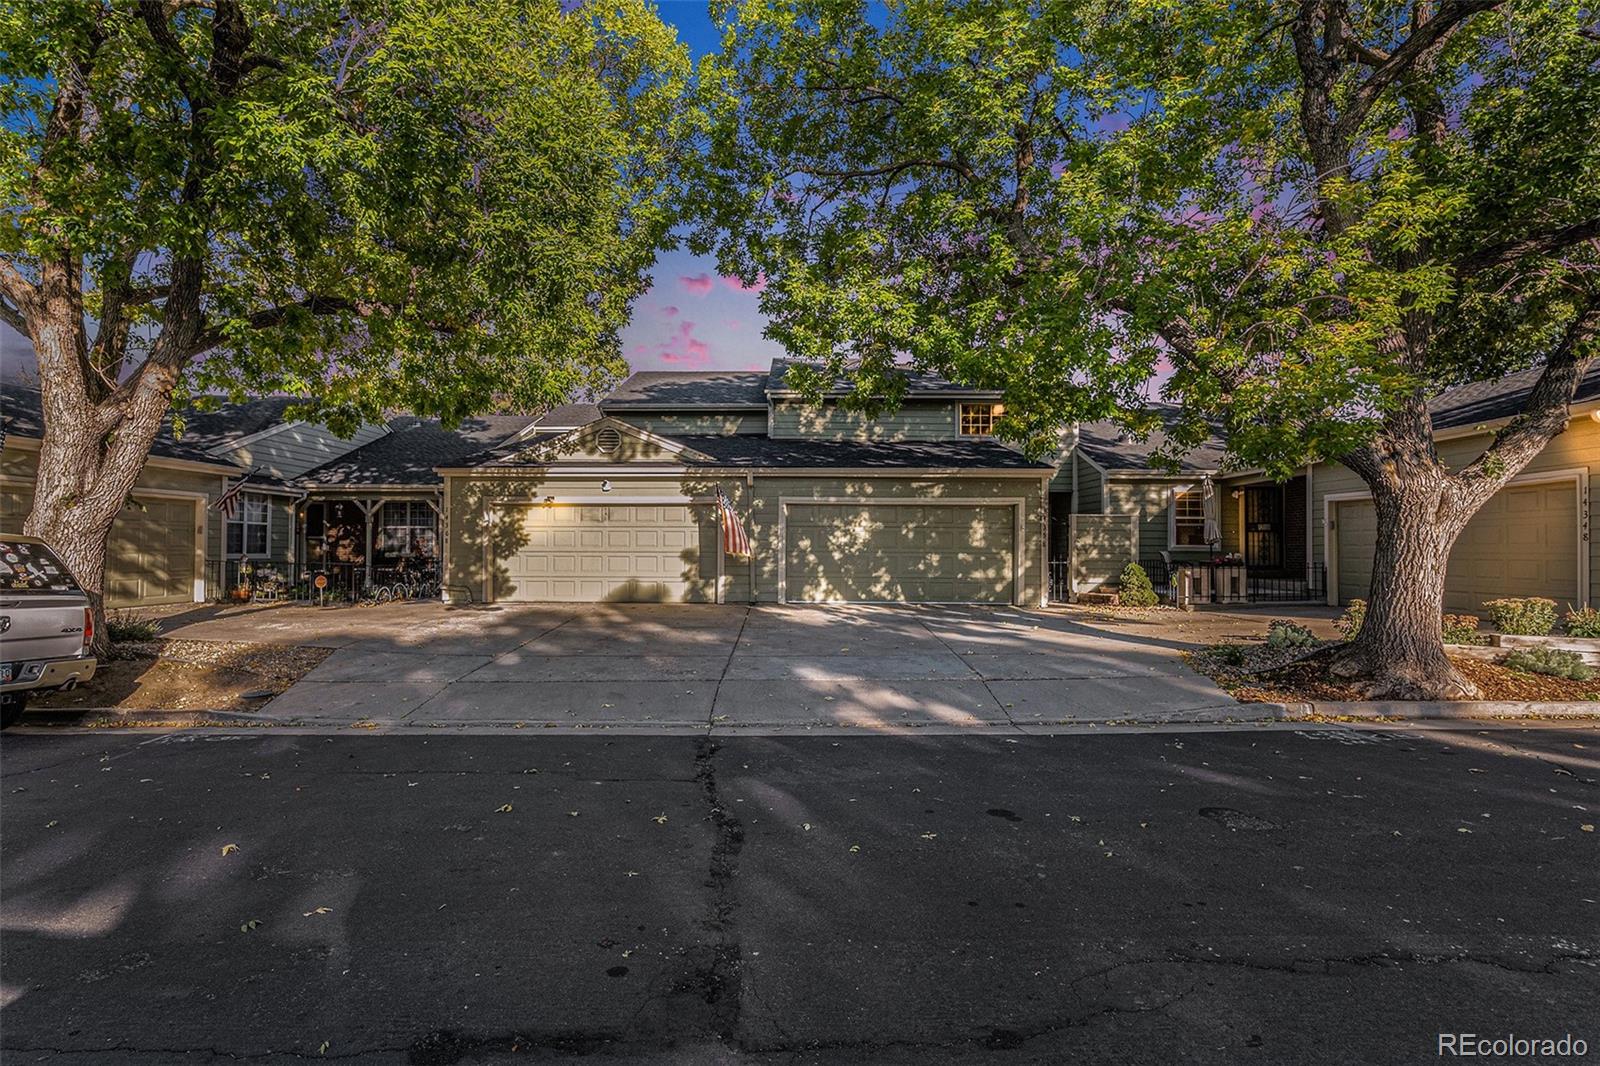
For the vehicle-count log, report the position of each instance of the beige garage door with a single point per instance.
(621, 553)
(150, 557)
(899, 553)
(1523, 543)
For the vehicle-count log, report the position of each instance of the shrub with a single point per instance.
(130, 626)
(1232, 654)
(1349, 623)
(1529, 616)
(1551, 661)
(1134, 588)
(1461, 629)
(1583, 622)
(1282, 633)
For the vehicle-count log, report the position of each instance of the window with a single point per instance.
(408, 529)
(1188, 519)
(977, 419)
(247, 526)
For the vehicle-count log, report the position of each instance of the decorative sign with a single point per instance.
(320, 581)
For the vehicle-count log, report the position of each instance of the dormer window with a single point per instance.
(978, 419)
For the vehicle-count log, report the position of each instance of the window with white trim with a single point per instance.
(408, 528)
(1188, 519)
(978, 419)
(248, 527)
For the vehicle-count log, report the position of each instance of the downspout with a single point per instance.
(1309, 500)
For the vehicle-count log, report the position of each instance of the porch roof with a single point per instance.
(407, 455)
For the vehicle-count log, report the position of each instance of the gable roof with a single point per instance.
(408, 453)
(1110, 446)
(661, 390)
(232, 422)
(23, 410)
(1496, 398)
(918, 383)
(568, 416)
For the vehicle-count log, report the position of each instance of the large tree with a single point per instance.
(1302, 218)
(435, 205)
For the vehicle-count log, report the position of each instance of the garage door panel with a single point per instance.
(1524, 542)
(606, 552)
(890, 552)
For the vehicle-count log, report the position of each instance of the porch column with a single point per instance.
(366, 552)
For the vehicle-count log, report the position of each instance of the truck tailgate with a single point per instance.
(47, 626)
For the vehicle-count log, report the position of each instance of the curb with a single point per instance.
(114, 717)
(1446, 710)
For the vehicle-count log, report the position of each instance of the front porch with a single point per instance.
(361, 543)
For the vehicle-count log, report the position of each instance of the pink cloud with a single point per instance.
(697, 285)
(732, 323)
(694, 352)
(669, 311)
(739, 286)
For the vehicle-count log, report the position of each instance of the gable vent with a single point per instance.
(608, 440)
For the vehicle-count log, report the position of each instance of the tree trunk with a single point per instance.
(1399, 653)
(86, 473)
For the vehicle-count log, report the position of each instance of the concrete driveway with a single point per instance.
(669, 668)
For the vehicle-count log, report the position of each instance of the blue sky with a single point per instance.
(693, 318)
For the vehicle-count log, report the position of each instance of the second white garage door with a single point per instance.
(1523, 543)
(899, 553)
(620, 553)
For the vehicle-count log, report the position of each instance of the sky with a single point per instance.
(693, 318)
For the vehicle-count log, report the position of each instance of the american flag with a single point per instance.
(734, 540)
(228, 502)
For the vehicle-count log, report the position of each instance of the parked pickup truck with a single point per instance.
(46, 625)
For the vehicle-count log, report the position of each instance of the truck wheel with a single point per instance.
(11, 706)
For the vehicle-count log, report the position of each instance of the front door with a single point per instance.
(1263, 527)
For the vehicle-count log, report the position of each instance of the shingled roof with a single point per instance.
(23, 411)
(687, 390)
(408, 453)
(1498, 398)
(918, 383)
(1113, 448)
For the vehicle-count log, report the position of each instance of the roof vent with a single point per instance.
(608, 440)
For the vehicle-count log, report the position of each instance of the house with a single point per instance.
(921, 505)
(1311, 537)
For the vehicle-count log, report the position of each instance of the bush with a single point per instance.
(1349, 623)
(1134, 588)
(1551, 661)
(1461, 629)
(1232, 654)
(129, 626)
(1529, 616)
(1583, 622)
(1282, 633)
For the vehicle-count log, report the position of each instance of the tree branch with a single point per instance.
(1544, 414)
(15, 287)
(1451, 14)
(1538, 244)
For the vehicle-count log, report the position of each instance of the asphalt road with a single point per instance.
(1254, 896)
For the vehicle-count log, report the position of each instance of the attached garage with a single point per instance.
(1525, 542)
(153, 556)
(613, 552)
(905, 551)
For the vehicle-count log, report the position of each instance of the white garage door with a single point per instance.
(899, 553)
(1523, 543)
(619, 553)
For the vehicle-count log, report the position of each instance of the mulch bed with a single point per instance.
(1306, 680)
(184, 675)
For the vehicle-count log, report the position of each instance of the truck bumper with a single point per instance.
(50, 674)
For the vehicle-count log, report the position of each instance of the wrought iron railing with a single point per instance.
(247, 581)
(1222, 583)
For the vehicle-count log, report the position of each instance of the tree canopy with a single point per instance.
(1304, 215)
(368, 203)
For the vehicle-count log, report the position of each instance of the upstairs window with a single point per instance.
(978, 419)
(1189, 519)
(247, 526)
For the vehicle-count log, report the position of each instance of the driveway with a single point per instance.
(669, 668)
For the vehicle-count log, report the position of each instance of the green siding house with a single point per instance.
(919, 506)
